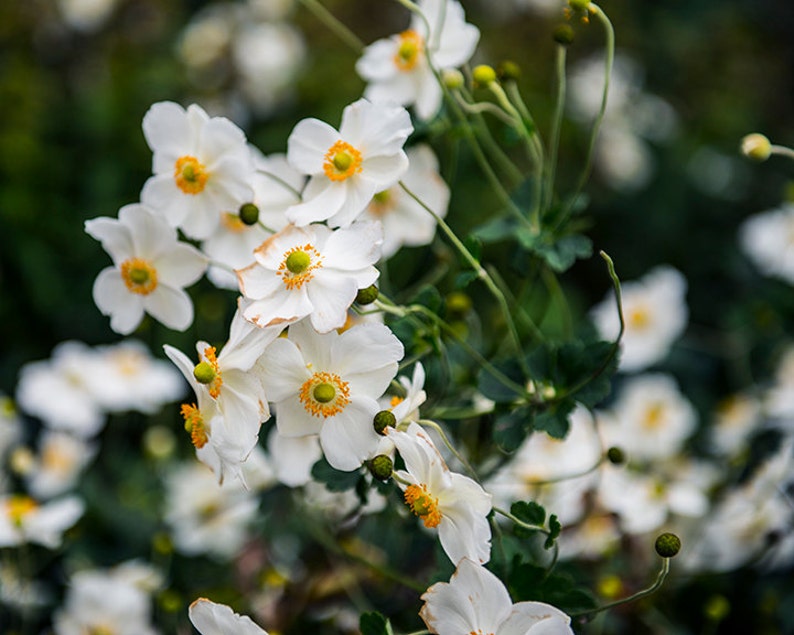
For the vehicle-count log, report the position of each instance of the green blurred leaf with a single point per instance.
(373, 623)
(334, 480)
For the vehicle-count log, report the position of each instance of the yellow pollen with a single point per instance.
(233, 223)
(215, 385)
(139, 276)
(423, 504)
(19, 506)
(654, 416)
(296, 270)
(190, 175)
(194, 423)
(100, 629)
(324, 394)
(409, 50)
(639, 318)
(341, 161)
(395, 400)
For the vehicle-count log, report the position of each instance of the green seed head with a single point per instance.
(298, 262)
(381, 467)
(367, 295)
(579, 5)
(616, 455)
(324, 393)
(204, 373)
(507, 70)
(452, 78)
(249, 213)
(667, 545)
(139, 275)
(384, 419)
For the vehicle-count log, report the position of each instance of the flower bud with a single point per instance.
(484, 74)
(383, 420)
(756, 147)
(508, 70)
(204, 373)
(452, 78)
(458, 304)
(249, 213)
(367, 295)
(579, 5)
(616, 455)
(667, 545)
(381, 467)
(563, 34)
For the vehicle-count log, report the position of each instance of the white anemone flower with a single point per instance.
(348, 167)
(310, 271)
(150, 270)
(454, 504)
(57, 467)
(293, 457)
(202, 166)
(25, 520)
(476, 601)
(405, 221)
(231, 398)
(655, 313)
(398, 69)
(768, 240)
(328, 384)
(210, 618)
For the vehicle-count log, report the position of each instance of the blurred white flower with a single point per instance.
(24, 520)
(779, 398)
(58, 464)
(655, 314)
(86, 15)
(768, 240)
(735, 419)
(405, 221)
(10, 425)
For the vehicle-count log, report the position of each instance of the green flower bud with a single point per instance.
(249, 213)
(452, 78)
(381, 467)
(579, 5)
(508, 70)
(367, 295)
(563, 34)
(204, 373)
(484, 74)
(616, 455)
(667, 545)
(383, 420)
(756, 147)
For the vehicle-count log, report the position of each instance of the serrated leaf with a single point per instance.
(562, 253)
(334, 480)
(554, 532)
(373, 623)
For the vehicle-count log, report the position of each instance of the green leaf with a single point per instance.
(554, 419)
(561, 254)
(474, 245)
(334, 480)
(496, 230)
(464, 278)
(429, 297)
(373, 623)
(494, 389)
(554, 532)
(529, 512)
(511, 428)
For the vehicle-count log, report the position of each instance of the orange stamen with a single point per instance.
(190, 175)
(139, 276)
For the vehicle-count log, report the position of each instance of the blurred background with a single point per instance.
(669, 184)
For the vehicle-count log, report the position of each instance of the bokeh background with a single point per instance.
(669, 185)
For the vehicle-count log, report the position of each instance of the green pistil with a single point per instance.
(342, 161)
(298, 262)
(204, 373)
(324, 393)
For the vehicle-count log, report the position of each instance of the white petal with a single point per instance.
(293, 420)
(375, 129)
(113, 235)
(308, 143)
(330, 199)
(169, 306)
(367, 355)
(331, 295)
(114, 299)
(284, 370)
(536, 618)
(181, 266)
(218, 619)
(168, 134)
(348, 438)
(377, 60)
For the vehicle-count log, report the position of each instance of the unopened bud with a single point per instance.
(563, 34)
(249, 213)
(507, 70)
(384, 419)
(616, 455)
(452, 78)
(756, 147)
(368, 295)
(484, 74)
(381, 467)
(667, 545)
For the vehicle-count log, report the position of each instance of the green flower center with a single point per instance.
(298, 261)
(324, 393)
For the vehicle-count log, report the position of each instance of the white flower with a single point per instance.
(104, 601)
(451, 502)
(10, 424)
(407, 408)
(655, 312)
(735, 419)
(650, 419)
(405, 221)
(779, 398)
(58, 391)
(224, 425)
(201, 164)
(150, 269)
(768, 240)
(210, 618)
(476, 601)
(24, 520)
(125, 376)
(293, 457)
(60, 461)
(397, 69)
(348, 167)
(310, 271)
(328, 384)
(205, 517)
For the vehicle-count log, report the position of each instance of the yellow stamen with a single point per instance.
(194, 423)
(341, 161)
(395, 400)
(639, 318)
(298, 265)
(423, 504)
(190, 175)
(324, 394)
(139, 276)
(233, 223)
(409, 50)
(19, 506)
(214, 386)
(654, 416)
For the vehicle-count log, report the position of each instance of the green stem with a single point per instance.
(520, 522)
(559, 107)
(432, 424)
(329, 20)
(282, 182)
(782, 151)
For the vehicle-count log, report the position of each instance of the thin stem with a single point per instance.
(519, 310)
(635, 596)
(556, 125)
(329, 20)
(520, 522)
(567, 477)
(782, 151)
(608, 61)
(432, 424)
(281, 182)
